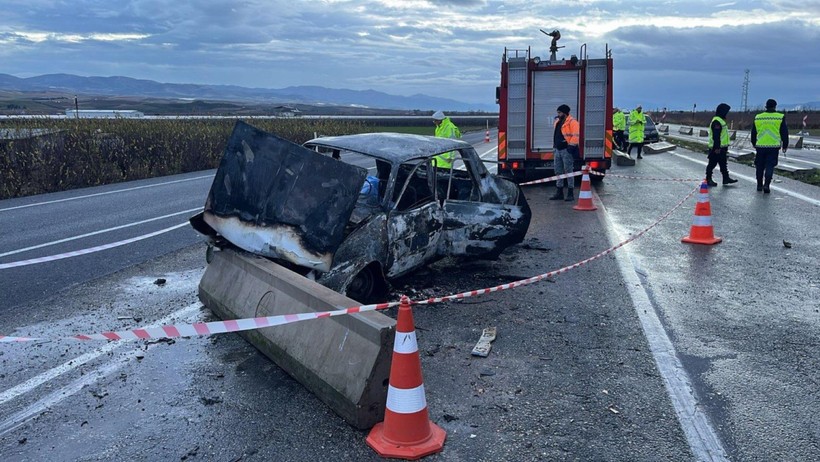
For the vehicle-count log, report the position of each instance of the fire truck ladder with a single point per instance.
(595, 108)
(517, 106)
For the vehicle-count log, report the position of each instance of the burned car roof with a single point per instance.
(393, 147)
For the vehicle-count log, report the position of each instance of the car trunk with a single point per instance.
(277, 199)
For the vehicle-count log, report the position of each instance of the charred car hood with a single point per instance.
(280, 200)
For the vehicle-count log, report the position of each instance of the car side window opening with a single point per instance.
(412, 187)
(458, 182)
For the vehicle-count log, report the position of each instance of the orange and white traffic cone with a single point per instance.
(487, 137)
(407, 431)
(585, 196)
(702, 231)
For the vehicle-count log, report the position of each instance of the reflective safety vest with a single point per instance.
(767, 125)
(571, 130)
(637, 122)
(724, 133)
(446, 129)
(618, 121)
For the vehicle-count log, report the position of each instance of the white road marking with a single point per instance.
(72, 364)
(29, 412)
(104, 193)
(39, 246)
(754, 180)
(703, 441)
(99, 248)
(787, 159)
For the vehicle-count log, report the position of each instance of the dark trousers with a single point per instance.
(620, 141)
(719, 159)
(638, 145)
(765, 160)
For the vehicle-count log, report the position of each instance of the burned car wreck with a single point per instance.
(354, 211)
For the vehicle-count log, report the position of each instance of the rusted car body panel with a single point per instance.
(317, 208)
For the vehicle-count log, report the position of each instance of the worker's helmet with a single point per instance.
(438, 115)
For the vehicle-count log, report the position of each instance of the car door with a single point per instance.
(415, 221)
(483, 214)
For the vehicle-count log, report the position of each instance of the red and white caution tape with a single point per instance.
(552, 178)
(613, 175)
(99, 248)
(523, 282)
(238, 325)
(214, 327)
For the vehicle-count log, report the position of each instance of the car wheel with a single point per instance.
(367, 286)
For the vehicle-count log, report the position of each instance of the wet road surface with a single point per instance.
(571, 376)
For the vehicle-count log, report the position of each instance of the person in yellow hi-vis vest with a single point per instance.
(769, 136)
(637, 123)
(618, 127)
(719, 146)
(445, 128)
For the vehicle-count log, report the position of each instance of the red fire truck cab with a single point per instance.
(530, 92)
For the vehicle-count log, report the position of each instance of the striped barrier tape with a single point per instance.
(613, 175)
(238, 325)
(556, 177)
(209, 328)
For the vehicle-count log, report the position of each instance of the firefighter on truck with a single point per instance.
(530, 90)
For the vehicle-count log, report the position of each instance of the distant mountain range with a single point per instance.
(311, 95)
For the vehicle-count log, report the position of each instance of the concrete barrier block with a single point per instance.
(686, 130)
(622, 158)
(703, 132)
(624, 161)
(795, 142)
(786, 167)
(740, 154)
(663, 129)
(343, 360)
(659, 147)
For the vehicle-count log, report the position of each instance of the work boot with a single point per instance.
(728, 180)
(570, 196)
(709, 181)
(759, 184)
(559, 194)
(766, 189)
(640, 156)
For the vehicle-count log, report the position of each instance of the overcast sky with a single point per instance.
(666, 53)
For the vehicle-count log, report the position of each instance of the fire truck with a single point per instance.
(531, 89)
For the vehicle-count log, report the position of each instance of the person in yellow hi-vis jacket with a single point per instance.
(445, 128)
(769, 135)
(637, 122)
(618, 127)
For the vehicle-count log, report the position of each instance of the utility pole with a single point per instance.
(744, 99)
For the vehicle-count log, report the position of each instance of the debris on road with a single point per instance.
(482, 348)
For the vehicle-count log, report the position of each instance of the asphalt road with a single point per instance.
(658, 351)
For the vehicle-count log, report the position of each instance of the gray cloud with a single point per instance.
(441, 48)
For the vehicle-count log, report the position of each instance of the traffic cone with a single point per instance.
(407, 431)
(585, 196)
(701, 231)
(487, 137)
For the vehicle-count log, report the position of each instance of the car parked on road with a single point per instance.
(354, 211)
